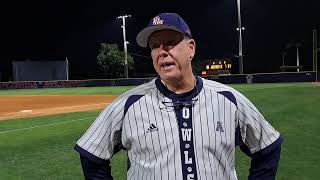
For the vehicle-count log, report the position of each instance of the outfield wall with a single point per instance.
(73, 83)
(307, 76)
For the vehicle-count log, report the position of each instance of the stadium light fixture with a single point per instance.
(125, 42)
(243, 28)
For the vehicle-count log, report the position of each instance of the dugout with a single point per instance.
(40, 70)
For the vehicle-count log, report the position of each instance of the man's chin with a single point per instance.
(171, 77)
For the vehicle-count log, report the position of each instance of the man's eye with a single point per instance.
(171, 43)
(154, 46)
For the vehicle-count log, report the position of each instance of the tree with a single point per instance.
(111, 61)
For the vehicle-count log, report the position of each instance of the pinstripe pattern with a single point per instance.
(152, 132)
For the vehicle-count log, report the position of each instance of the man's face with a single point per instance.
(172, 53)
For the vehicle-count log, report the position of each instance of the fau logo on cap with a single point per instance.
(157, 21)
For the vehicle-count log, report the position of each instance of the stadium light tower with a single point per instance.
(125, 42)
(316, 50)
(240, 39)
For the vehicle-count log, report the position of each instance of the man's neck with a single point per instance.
(181, 86)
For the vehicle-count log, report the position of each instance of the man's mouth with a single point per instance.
(167, 65)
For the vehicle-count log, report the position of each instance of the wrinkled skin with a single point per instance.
(172, 54)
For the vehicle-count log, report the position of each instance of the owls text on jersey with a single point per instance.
(179, 136)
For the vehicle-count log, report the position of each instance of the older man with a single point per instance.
(179, 126)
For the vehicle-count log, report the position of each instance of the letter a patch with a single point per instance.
(219, 127)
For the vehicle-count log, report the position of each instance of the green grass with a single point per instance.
(43, 152)
(42, 147)
(113, 90)
(67, 91)
(295, 111)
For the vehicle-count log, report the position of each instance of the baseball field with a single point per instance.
(39, 128)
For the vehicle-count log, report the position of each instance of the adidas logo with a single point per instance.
(152, 128)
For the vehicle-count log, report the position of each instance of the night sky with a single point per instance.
(53, 30)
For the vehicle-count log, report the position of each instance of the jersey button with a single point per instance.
(185, 124)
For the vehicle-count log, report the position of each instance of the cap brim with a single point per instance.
(144, 34)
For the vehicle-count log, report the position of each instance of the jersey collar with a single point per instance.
(172, 95)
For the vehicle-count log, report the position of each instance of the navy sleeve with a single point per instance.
(93, 167)
(95, 171)
(264, 163)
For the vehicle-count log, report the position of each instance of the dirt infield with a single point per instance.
(13, 107)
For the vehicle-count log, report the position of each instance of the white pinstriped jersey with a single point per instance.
(170, 136)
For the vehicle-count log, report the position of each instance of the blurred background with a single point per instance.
(272, 34)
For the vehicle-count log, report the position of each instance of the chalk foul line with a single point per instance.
(44, 125)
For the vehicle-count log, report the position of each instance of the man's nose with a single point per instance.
(163, 50)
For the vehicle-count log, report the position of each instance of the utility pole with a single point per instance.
(298, 57)
(315, 53)
(125, 42)
(240, 39)
(67, 68)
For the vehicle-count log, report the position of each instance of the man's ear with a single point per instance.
(192, 47)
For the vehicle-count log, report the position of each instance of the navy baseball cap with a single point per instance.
(171, 21)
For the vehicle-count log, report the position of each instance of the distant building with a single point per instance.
(217, 66)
